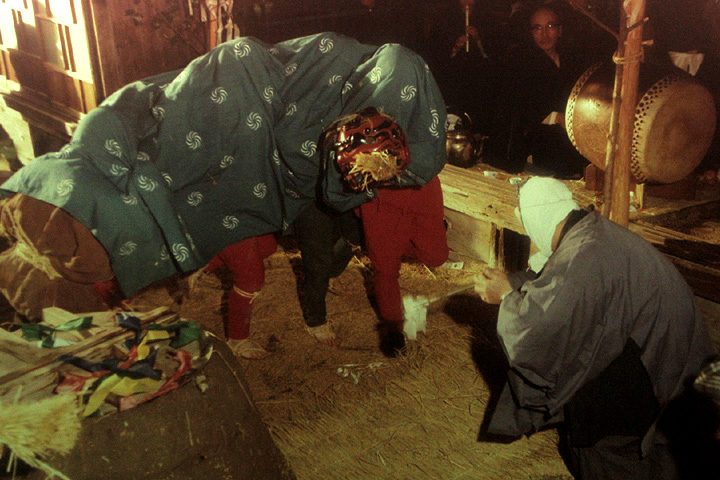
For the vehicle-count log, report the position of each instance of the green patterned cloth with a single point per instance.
(169, 170)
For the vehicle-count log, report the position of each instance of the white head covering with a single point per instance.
(543, 203)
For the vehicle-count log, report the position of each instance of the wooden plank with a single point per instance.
(704, 280)
(469, 237)
(487, 198)
(52, 117)
(101, 39)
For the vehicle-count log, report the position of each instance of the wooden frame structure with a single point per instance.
(59, 59)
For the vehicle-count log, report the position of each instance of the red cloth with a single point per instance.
(245, 260)
(402, 222)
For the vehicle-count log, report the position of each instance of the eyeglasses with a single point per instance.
(550, 27)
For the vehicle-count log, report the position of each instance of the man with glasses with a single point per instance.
(546, 31)
(600, 336)
(530, 133)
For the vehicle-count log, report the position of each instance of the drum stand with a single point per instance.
(684, 189)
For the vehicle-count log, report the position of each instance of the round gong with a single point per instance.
(674, 123)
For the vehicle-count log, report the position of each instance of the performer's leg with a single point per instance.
(428, 235)
(245, 260)
(314, 230)
(386, 238)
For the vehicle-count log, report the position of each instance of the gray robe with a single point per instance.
(601, 287)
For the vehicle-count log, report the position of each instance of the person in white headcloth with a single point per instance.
(601, 333)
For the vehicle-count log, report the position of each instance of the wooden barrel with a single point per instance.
(675, 121)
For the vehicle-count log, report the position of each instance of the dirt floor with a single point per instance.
(348, 411)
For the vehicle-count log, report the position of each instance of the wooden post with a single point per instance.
(611, 149)
(634, 11)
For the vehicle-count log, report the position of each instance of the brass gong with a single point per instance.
(674, 124)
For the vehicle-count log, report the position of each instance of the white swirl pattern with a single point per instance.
(118, 170)
(326, 45)
(230, 222)
(193, 140)
(218, 95)
(142, 157)
(254, 121)
(168, 179)
(276, 157)
(290, 69)
(346, 88)
(334, 79)
(128, 248)
(260, 190)
(291, 109)
(435, 122)
(375, 75)
(308, 148)
(226, 161)
(113, 148)
(195, 199)
(146, 183)
(268, 94)
(180, 252)
(408, 93)
(242, 49)
(129, 199)
(65, 187)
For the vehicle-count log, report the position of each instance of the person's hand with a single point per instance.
(492, 284)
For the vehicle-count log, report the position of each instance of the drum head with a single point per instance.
(674, 123)
(674, 126)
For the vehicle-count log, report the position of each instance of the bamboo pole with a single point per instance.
(611, 148)
(634, 12)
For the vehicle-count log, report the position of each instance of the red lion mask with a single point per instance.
(370, 149)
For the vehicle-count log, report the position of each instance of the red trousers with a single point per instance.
(402, 222)
(245, 260)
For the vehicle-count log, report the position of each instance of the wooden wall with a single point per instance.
(60, 58)
(44, 49)
(140, 39)
(74, 53)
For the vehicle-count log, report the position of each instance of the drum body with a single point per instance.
(675, 120)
